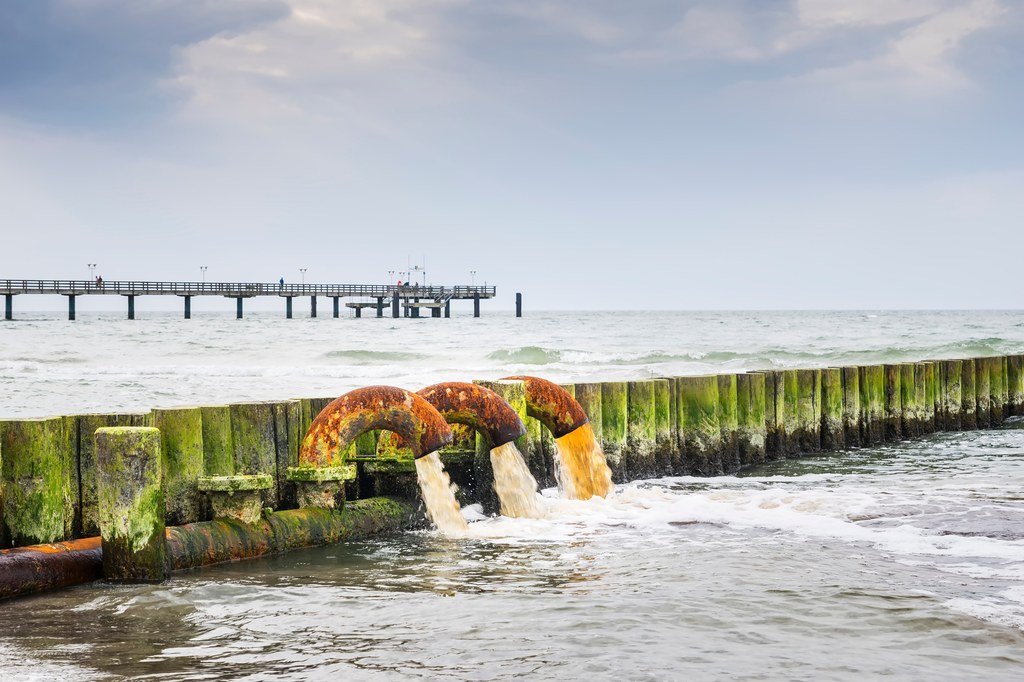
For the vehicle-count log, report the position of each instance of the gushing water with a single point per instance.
(439, 495)
(515, 485)
(582, 471)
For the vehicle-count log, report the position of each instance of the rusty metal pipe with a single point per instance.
(552, 405)
(24, 570)
(373, 407)
(475, 406)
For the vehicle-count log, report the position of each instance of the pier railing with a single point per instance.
(236, 289)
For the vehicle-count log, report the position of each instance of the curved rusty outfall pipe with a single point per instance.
(552, 405)
(475, 406)
(24, 570)
(373, 407)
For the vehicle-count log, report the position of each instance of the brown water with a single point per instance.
(582, 470)
(515, 485)
(439, 495)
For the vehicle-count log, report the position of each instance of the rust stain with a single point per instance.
(365, 409)
(552, 405)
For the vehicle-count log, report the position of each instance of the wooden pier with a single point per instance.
(403, 300)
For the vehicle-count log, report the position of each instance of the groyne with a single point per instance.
(229, 488)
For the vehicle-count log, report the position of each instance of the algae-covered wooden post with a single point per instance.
(728, 420)
(809, 410)
(951, 394)
(663, 435)
(38, 504)
(181, 450)
(968, 395)
(751, 406)
(614, 406)
(872, 404)
(514, 393)
(908, 400)
(131, 504)
(218, 444)
(702, 432)
(893, 404)
(925, 373)
(851, 406)
(288, 436)
(982, 393)
(87, 425)
(832, 430)
(789, 438)
(1015, 384)
(589, 398)
(641, 430)
(677, 457)
(774, 415)
(252, 434)
(997, 386)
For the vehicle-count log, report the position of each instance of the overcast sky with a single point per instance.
(591, 153)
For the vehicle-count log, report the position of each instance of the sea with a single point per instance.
(904, 561)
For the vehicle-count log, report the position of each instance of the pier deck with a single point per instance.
(385, 295)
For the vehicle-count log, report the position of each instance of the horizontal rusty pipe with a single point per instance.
(213, 542)
(552, 405)
(365, 409)
(24, 570)
(475, 406)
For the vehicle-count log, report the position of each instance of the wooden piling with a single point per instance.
(728, 420)
(288, 434)
(893, 403)
(131, 504)
(872, 404)
(809, 410)
(181, 456)
(663, 431)
(982, 393)
(751, 409)
(908, 400)
(514, 393)
(1015, 385)
(924, 372)
(614, 405)
(38, 502)
(997, 385)
(789, 439)
(218, 446)
(87, 425)
(252, 434)
(832, 415)
(702, 431)
(641, 430)
(951, 394)
(851, 406)
(968, 395)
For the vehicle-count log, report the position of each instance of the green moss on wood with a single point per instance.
(968, 395)
(728, 420)
(872, 404)
(833, 433)
(641, 430)
(851, 406)
(35, 473)
(982, 393)
(809, 410)
(131, 505)
(181, 447)
(87, 425)
(893, 403)
(702, 431)
(751, 407)
(614, 426)
(909, 419)
(253, 437)
(663, 433)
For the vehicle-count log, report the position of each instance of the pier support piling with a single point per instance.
(448, 308)
(71, 307)
(359, 312)
(131, 306)
(288, 307)
(312, 306)
(8, 306)
(188, 307)
(519, 304)
(336, 310)
(131, 504)
(380, 306)
(238, 308)
(394, 305)
(476, 304)
(435, 312)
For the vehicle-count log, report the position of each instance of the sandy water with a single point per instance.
(906, 561)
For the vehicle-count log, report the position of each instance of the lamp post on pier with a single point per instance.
(472, 277)
(303, 272)
(92, 272)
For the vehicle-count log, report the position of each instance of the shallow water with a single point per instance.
(905, 561)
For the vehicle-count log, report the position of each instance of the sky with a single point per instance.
(591, 154)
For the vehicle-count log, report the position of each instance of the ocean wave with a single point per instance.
(369, 357)
(527, 355)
